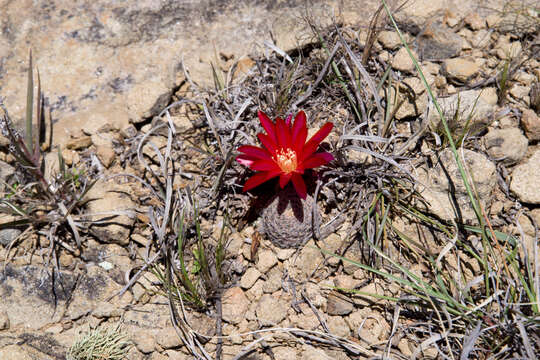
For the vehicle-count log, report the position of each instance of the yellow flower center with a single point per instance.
(286, 160)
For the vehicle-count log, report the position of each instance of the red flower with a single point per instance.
(285, 152)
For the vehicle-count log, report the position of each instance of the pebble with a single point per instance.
(526, 180)
(144, 340)
(4, 320)
(507, 145)
(167, 338)
(266, 260)
(460, 69)
(531, 123)
(337, 304)
(271, 311)
(402, 61)
(389, 40)
(234, 306)
(249, 278)
(475, 21)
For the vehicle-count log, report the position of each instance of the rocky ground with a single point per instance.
(107, 74)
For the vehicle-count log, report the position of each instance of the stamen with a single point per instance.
(286, 160)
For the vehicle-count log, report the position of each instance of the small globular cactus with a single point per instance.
(288, 220)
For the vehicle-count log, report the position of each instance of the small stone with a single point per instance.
(71, 157)
(55, 329)
(234, 245)
(526, 180)
(105, 309)
(451, 18)
(338, 326)
(493, 20)
(106, 265)
(284, 352)
(313, 353)
(389, 40)
(438, 42)
(507, 145)
(157, 356)
(384, 56)
(506, 50)
(308, 260)
(313, 292)
(273, 281)
(371, 288)
(176, 355)
(284, 254)
(405, 347)
(338, 305)
(235, 304)
(271, 311)
(535, 213)
(345, 282)
(243, 66)
(534, 95)
(256, 291)
(370, 327)
(168, 338)
(525, 78)
(106, 155)
(144, 341)
(475, 21)
(79, 143)
(402, 61)
(266, 260)
(481, 39)
(520, 92)
(8, 235)
(460, 69)
(107, 197)
(4, 320)
(249, 278)
(14, 352)
(129, 131)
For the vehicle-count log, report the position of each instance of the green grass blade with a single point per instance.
(29, 104)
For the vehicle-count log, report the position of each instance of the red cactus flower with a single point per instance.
(285, 152)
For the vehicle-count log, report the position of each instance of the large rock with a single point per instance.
(112, 206)
(413, 15)
(25, 289)
(109, 62)
(460, 69)
(438, 42)
(469, 109)
(445, 193)
(508, 145)
(526, 180)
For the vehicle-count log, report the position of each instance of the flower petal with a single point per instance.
(264, 165)
(245, 160)
(316, 139)
(317, 160)
(268, 125)
(299, 133)
(268, 143)
(283, 133)
(299, 185)
(258, 179)
(288, 120)
(284, 179)
(255, 152)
